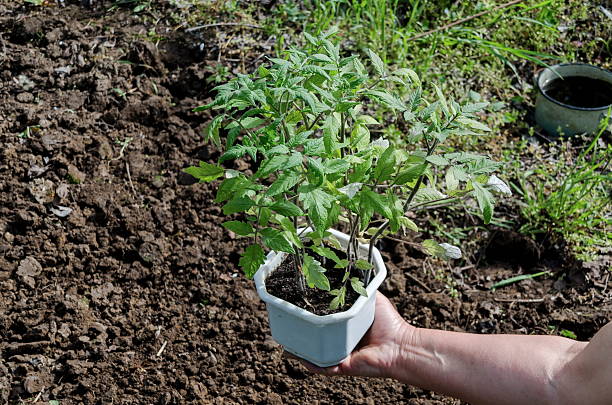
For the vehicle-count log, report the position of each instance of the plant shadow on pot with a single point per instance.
(573, 98)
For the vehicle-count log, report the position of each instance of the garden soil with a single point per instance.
(118, 284)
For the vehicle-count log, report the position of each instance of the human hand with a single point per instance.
(380, 349)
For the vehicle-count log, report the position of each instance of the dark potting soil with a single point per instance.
(282, 284)
(579, 91)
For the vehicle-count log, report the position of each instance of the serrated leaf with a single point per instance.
(437, 160)
(358, 286)
(342, 264)
(363, 265)
(433, 248)
(299, 139)
(238, 227)
(474, 107)
(283, 183)
(314, 147)
(351, 189)
(237, 151)
(427, 194)
(388, 99)
(331, 127)
(286, 208)
(212, 130)
(326, 252)
(275, 240)
(377, 63)
(367, 120)
(316, 172)
(317, 202)
(474, 124)
(485, 201)
(278, 150)
(385, 166)
(442, 101)
(411, 74)
(205, 172)
(314, 274)
(336, 166)
(252, 258)
(410, 174)
(236, 186)
(441, 250)
(239, 204)
(408, 223)
(279, 162)
(338, 301)
(371, 202)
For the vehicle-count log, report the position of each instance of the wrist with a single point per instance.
(407, 343)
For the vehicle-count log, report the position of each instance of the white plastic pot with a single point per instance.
(323, 340)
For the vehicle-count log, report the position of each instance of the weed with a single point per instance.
(571, 200)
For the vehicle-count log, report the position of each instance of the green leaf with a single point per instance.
(299, 139)
(474, 107)
(286, 208)
(485, 201)
(211, 131)
(358, 286)
(331, 127)
(317, 202)
(326, 252)
(205, 172)
(363, 265)
(237, 205)
(279, 162)
(388, 100)
(433, 248)
(251, 260)
(377, 63)
(237, 151)
(232, 186)
(314, 147)
(385, 166)
(408, 223)
(314, 274)
(238, 227)
(275, 240)
(338, 301)
(278, 150)
(283, 183)
(316, 175)
(474, 124)
(410, 174)
(437, 160)
(411, 74)
(374, 202)
(442, 101)
(336, 166)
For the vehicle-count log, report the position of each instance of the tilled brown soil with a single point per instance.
(117, 283)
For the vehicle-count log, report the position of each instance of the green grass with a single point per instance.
(570, 199)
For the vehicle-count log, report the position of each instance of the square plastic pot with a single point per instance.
(323, 340)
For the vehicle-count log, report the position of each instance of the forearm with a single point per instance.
(485, 369)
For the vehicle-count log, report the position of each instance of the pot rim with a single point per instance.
(569, 106)
(260, 281)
